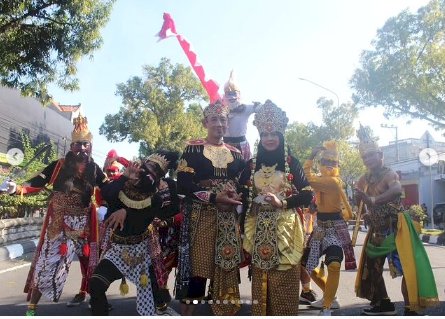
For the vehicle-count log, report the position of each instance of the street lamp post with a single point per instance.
(324, 88)
(397, 138)
(329, 90)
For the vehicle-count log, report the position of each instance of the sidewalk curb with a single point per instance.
(18, 249)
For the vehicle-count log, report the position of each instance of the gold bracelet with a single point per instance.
(284, 204)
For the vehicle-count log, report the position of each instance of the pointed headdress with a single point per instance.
(270, 118)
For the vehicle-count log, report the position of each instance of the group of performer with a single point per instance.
(226, 208)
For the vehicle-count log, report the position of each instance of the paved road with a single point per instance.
(13, 275)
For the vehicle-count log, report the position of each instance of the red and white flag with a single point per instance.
(168, 30)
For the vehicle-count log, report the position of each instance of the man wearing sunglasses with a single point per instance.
(70, 224)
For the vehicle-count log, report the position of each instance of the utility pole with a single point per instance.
(329, 90)
(397, 138)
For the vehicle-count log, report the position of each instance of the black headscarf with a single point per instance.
(270, 158)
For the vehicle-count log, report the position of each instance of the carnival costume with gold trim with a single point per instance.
(274, 237)
(332, 230)
(130, 246)
(392, 235)
(70, 225)
(210, 243)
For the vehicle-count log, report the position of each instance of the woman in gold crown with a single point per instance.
(331, 237)
(273, 232)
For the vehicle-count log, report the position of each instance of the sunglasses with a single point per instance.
(82, 144)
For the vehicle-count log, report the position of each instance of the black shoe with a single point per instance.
(409, 312)
(77, 300)
(308, 297)
(384, 309)
(110, 306)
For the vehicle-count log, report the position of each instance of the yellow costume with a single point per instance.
(274, 236)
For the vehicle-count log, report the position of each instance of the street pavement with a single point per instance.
(13, 274)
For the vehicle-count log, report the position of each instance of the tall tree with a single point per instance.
(405, 70)
(41, 42)
(337, 124)
(351, 164)
(154, 111)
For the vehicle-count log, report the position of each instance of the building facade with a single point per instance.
(421, 183)
(43, 124)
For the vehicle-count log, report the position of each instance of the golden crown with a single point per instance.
(367, 143)
(81, 132)
(161, 160)
(270, 118)
(216, 108)
(331, 152)
(230, 85)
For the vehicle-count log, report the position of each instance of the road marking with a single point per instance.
(14, 268)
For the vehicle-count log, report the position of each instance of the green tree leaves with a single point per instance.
(41, 42)
(405, 71)
(337, 124)
(160, 110)
(16, 206)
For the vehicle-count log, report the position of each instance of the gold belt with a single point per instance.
(129, 240)
(326, 223)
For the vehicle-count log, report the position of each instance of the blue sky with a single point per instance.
(269, 44)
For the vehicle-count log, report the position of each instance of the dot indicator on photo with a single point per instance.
(15, 156)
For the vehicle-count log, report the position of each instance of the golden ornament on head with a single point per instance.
(160, 160)
(330, 152)
(81, 131)
(217, 109)
(270, 118)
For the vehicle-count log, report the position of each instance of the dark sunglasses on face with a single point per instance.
(79, 144)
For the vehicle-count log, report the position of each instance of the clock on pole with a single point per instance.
(428, 156)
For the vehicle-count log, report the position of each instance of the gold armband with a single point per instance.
(284, 204)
